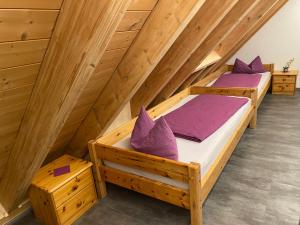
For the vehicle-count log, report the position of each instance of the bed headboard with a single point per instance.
(268, 67)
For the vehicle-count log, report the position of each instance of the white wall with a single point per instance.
(278, 40)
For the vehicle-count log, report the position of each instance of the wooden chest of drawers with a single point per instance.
(63, 199)
(284, 83)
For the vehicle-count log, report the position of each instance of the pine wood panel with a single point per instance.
(45, 180)
(115, 51)
(133, 20)
(205, 49)
(18, 76)
(64, 74)
(70, 211)
(21, 25)
(73, 187)
(13, 103)
(110, 59)
(152, 188)
(122, 40)
(14, 97)
(43, 206)
(146, 162)
(253, 17)
(133, 70)
(105, 68)
(31, 4)
(22, 52)
(189, 40)
(142, 4)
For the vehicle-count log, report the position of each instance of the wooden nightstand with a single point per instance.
(284, 83)
(63, 199)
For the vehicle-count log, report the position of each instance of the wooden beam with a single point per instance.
(231, 20)
(190, 39)
(256, 19)
(191, 79)
(63, 75)
(167, 20)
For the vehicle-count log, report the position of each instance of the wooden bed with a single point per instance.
(198, 188)
(269, 68)
(260, 96)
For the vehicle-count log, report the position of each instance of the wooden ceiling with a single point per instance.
(69, 68)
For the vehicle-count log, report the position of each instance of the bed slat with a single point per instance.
(152, 188)
(149, 163)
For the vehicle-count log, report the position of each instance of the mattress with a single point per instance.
(204, 153)
(265, 78)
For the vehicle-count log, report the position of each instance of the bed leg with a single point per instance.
(99, 180)
(253, 121)
(195, 196)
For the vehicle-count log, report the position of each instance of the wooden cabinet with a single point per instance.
(63, 199)
(284, 83)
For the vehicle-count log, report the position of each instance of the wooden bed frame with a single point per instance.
(268, 67)
(260, 97)
(198, 189)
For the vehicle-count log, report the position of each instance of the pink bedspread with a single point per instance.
(238, 80)
(203, 115)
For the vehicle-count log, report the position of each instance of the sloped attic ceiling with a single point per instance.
(58, 94)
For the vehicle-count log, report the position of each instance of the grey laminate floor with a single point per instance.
(259, 186)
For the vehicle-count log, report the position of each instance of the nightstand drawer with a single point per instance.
(76, 206)
(283, 87)
(284, 79)
(72, 187)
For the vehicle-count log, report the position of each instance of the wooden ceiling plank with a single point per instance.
(21, 25)
(255, 19)
(16, 77)
(19, 53)
(142, 5)
(205, 48)
(168, 19)
(133, 20)
(122, 40)
(30, 4)
(63, 75)
(194, 34)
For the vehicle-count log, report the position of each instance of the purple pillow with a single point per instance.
(241, 67)
(155, 138)
(257, 66)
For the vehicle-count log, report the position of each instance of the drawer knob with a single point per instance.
(75, 187)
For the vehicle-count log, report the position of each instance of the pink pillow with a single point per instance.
(257, 66)
(155, 138)
(241, 67)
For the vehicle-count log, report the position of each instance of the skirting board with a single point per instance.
(11, 217)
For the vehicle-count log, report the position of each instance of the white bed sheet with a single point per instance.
(204, 153)
(265, 77)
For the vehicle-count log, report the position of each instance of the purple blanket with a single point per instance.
(202, 116)
(238, 80)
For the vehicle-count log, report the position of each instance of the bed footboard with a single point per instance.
(189, 173)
